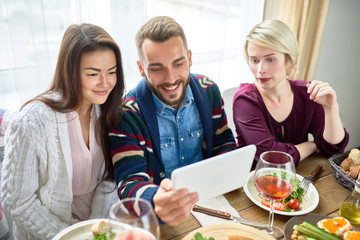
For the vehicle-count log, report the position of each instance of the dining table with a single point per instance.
(331, 196)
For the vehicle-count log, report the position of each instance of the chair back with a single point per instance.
(228, 96)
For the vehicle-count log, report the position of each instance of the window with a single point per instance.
(31, 33)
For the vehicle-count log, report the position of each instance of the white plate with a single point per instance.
(81, 230)
(309, 203)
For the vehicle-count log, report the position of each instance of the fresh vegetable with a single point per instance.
(313, 231)
(103, 237)
(297, 194)
(294, 204)
(199, 236)
(283, 205)
(296, 235)
(304, 237)
(280, 206)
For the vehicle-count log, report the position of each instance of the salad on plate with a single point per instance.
(289, 204)
(298, 203)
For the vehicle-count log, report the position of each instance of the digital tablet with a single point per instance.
(217, 175)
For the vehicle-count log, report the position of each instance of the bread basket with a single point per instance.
(339, 174)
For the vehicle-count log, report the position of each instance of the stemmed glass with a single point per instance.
(133, 218)
(275, 179)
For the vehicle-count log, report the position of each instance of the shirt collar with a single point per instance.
(161, 106)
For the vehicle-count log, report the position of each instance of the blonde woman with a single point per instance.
(278, 113)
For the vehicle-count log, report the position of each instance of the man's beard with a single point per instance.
(170, 103)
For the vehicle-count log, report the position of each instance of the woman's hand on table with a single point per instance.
(173, 206)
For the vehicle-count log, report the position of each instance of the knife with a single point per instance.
(228, 216)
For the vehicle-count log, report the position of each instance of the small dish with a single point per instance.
(309, 203)
(311, 218)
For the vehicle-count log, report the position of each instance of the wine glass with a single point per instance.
(275, 179)
(133, 218)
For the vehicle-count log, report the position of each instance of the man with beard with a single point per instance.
(171, 119)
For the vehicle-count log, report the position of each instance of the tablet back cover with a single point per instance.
(217, 175)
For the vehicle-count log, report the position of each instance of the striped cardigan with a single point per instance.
(135, 141)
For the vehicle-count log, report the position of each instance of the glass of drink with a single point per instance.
(275, 178)
(136, 218)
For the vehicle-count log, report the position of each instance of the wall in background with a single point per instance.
(31, 32)
(339, 62)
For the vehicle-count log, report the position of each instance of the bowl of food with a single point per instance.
(97, 229)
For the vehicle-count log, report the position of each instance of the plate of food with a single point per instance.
(311, 218)
(296, 204)
(89, 230)
(228, 231)
(318, 226)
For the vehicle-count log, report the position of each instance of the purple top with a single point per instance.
(255, 125)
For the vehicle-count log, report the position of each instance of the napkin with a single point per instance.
(218, 203)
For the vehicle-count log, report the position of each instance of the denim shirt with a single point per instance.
(181, 133)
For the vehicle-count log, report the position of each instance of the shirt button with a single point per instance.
(162, 174)
(182, 158)
(166, 145)
(197, 134)
(182, 139)
(178, 117)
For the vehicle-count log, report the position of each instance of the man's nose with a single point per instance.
(170, 76)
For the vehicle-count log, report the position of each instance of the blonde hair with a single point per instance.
(276, 35)
(159, 29)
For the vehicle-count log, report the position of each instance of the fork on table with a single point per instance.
(305, 182)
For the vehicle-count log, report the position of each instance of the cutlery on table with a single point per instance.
(228, 216)
(305, 182)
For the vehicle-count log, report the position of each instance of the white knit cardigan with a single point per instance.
(36, 181)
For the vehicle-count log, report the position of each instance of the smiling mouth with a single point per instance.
(171, 87)
(104, 92)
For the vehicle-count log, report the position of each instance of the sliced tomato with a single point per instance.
(277, 205)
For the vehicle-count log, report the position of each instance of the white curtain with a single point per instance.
(31, 32)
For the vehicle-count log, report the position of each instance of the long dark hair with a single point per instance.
(77, 40)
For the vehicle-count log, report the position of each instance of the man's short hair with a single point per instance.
(158, 29)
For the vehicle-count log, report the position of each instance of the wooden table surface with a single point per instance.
(331, 194)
